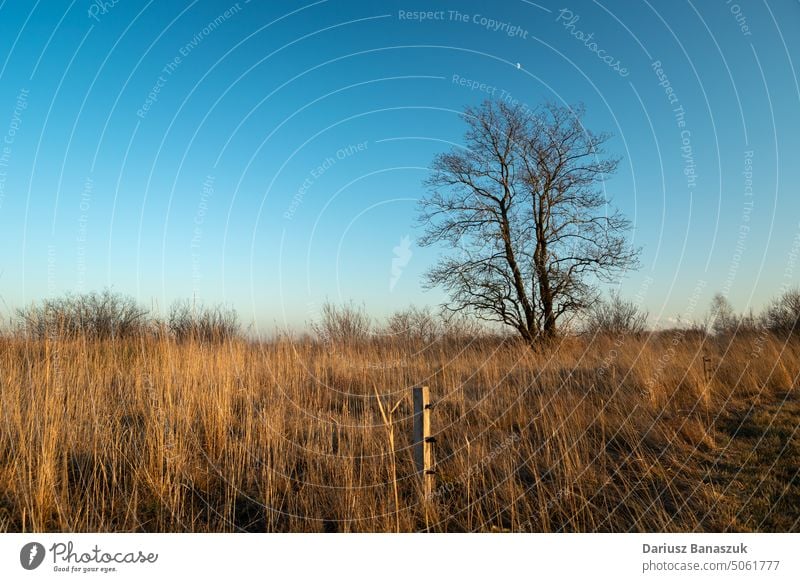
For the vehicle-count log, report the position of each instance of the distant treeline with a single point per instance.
(108, 314)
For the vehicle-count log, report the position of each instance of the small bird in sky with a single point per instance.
(519, 66)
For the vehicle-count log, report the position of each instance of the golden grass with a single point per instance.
(616, 434)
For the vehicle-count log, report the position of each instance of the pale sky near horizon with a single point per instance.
(269, 155)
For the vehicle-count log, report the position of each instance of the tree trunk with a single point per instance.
(540, 264)
(549, 324)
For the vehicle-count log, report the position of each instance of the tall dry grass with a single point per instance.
(150, 434)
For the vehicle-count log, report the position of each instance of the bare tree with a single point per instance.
(522, 209)
(722, 318)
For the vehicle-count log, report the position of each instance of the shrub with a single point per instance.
(782, 316)
(462, 327)
(96, 315)
(414, 324)
(615, 316)
(346, 323)
(216, 323)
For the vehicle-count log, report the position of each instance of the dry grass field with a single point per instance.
(610, 434)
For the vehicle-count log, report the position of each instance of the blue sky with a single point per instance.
(269, 154)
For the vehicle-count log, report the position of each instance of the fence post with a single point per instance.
(334, 437)
(707, 370)
(423, 441)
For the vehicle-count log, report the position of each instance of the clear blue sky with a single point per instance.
(167, 149)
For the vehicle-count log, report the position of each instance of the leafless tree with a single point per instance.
(721, 319)
(522, 209)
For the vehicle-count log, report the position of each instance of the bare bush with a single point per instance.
(97, 315)
(216, 323)
(414, 324)
(461, 327)
(750, 323)
(616, 316)
(782, 316)
(345, 323)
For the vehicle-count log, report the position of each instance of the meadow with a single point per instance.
(607, 433)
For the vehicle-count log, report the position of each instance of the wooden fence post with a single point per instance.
(707, 370)
(334, 437)
(423, 441)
